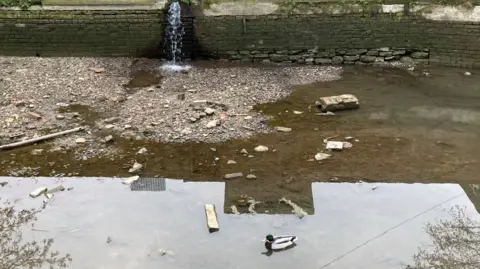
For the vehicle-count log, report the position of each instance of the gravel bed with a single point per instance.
(203, 105)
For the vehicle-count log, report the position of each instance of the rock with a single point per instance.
(108, 138)
(59, 117)
(97, 69)
(111, 120)
(347, 145)
(38, 192)
(352, 58)
(248, 118)
(212, 123)
(56, 189)
(337, 59)
(109, 126)
(328, 113)
(142, 151)
(334, 145)
(127, 127)
(384, 49)
(20, 103)
(135, 168)
(261, 148)
(251, 176)
(283, 129)
(192, 119)
(212, 221)
(297, 112)
(130, 180)
(322, 156)
(37, 152)
(243, 151)
(34, 115)
(467, 73)
(419, 55)
(3, 184)
(348, 138)
(233, 175)
(323, 61)
(339, 102)
(209, 111)
(80, 140)
(368, 59)
(407, 60)
(231, 162)
(213, 149)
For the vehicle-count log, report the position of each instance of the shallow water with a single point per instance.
(140, 223)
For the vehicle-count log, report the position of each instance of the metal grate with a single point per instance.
(148, 184)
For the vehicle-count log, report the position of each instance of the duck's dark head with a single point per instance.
(269, 238)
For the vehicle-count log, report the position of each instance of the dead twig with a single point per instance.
(38, 139)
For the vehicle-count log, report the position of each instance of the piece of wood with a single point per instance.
(40, 138)
(212, 221)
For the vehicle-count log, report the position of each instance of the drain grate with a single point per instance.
(148, 184)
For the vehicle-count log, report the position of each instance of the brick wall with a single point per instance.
(140, 33)
(81, 33)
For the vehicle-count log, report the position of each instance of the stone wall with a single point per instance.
(349, 37)
(81, 32)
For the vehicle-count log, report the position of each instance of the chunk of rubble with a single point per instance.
(235, 210)
(334, 145)
(135, 168)
(261, 148)
(39, 191)
(322, 156)
(130, 180)
(339, 102)
(283, 129)
(56, 189)
(233, 175)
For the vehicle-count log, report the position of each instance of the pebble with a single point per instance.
(97, 69)
(111, 120)
(261, 148)
(251, 176)
(467, 73)
(37, 151)
(248, 118)
(297, 112)
(126, 127)
(233, 175)
(244, 151)
(231, 162)
(80, 140)
(108, 138)
(34, 115)
(135, 168)
(142, 151)
(212, 123)
(209, 111)
(109, 126)
(213, 149)
(192, 119)
(322, 156)
(283, 129)
(60, 117)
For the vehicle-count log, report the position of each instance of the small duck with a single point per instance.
(279, 242)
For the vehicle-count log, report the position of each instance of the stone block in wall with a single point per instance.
(399, 52)
(337, 60)
(385, 53)
(372, 53)
(367, 59)
(351, 58)
(354, 52)
(419, 55)
(323, 61)
(274, 57)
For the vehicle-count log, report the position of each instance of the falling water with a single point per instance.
(173, 38)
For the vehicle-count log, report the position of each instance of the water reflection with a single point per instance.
(103, 224)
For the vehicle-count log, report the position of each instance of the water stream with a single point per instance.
(174, 32)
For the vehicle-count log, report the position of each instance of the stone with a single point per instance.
(467, 73)
(337, 60)
(251, 176)
(261, 148)
(384, 49)
(322, 156)
(108, 138)
(212, 123)
(37, 192)
(3, 184)
(233, 175)
(142, 151)
(135, 168)
(209, 111)
(355, 52)
(248, 118)
(56, 189)
(111, 120)
(368, 59)
(323, 61)
(130, 180)
(407, 60)
(97, 69)
(297, 112)
(351, 58)
(109, 126)
(334, 145)
(59, 117)
(80, 140)
(347, 145)
(339, 102)
(419, 55)
(212, 221)
(398, 52)
(20, 103)
(37, 152)
(213, 149)
(34, 115)
(231, 162)
(192, 119)
(283, 129)
(384, 53)
(243, 151)
(372, 53)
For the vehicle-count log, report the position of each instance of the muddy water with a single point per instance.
(410, 128)
(140, 224)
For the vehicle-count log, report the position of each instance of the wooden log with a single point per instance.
(40, 138)
(339, 102)
(212, 221)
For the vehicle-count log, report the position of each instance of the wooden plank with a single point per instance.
(212, 221)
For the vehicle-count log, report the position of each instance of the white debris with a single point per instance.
(135, 168)
(334, 145)
(297, 112)
(328, 113)
(231, 162)
(322, 156)
(261, 148)
(347, 145)
(235, 210)
(283, 129)
(130, 180)
(38, 192)
(467, 73)
(142, 151)
(296, 209)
